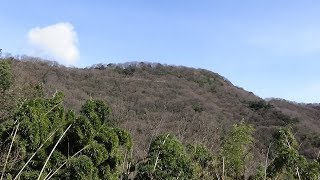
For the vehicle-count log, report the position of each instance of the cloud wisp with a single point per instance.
(58, 41)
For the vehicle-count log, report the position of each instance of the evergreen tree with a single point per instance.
(5, 75)
(288, 163)
(167, 159)
(203, 161)
(236, 150)
(90, 149)
(7, 101)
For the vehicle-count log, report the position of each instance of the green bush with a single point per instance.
(288, 163)
(167, 159)
(102, 146)
(203, 161)
(236, 150)
(257, 105)
(5, 75)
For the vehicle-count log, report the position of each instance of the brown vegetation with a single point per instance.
(194, 104)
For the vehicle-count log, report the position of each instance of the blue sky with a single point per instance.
(269, 47)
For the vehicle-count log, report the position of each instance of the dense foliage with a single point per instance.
(46, 141)
(39, 138)
(236, 150)
(167, 159)
(287, 162)
(5, 75)
(195, 105)
(203, 161)
(6, 80)
(103, 146)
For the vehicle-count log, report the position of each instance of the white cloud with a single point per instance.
(58, 41)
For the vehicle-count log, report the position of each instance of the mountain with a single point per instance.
(149, 99)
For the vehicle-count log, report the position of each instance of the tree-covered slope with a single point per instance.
(149, 99)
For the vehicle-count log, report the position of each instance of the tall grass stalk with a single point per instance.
(8, 155)
(17, 176)
(222, 168)
(157, 158)
(266, 164)
(44, 166)
(48, 177)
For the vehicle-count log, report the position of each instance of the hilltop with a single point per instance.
(149, 99)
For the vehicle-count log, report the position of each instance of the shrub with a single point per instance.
(288, 163)
(257, 105)
(5, 75)
(102, 146)
(167, 159)
(203, 161)
(236, 150)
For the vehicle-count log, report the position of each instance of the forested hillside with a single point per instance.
(151, 101)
